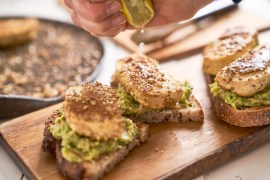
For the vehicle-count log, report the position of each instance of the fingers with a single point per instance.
(112, 33)
(95, 12)
(109, 27)
(130, 27)
(100, 17)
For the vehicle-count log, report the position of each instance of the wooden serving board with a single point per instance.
(174, 150)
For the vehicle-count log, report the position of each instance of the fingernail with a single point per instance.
(114, 7)
(119, 20)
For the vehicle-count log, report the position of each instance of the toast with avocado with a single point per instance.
(234, 43)
(241, 91)
(89, 136)
(147, 93)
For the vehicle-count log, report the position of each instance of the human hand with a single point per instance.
(99, 17)
(103, 17)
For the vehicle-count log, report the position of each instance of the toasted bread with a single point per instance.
(247, 117)
(231, 45)
(193, 112)
(248, 74)
(17, 31)
(88, 170)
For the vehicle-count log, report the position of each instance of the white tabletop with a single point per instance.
(252, 165)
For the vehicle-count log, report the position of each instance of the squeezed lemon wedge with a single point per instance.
(138, 12)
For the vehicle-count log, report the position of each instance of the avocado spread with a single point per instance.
(261, 98)
(77, 148)
(187, 90)
(130, 106)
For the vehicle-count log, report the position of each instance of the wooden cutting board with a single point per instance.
(174, 150)
(179, 46)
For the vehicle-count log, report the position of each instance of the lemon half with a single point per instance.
(138, 12)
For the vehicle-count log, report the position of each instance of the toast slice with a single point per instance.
(193, 112)
(234, 43)
(246, 117)
(88, 170)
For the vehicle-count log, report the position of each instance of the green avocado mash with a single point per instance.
(76, 148)
(261, 98)
(187, 90)
(130, 106)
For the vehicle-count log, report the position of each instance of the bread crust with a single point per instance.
(88, 170)
(91, 170)
(193, 113)
(246, 117)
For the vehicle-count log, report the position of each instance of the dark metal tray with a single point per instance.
(16, 105)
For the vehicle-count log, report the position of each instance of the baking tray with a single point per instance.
(16, 105)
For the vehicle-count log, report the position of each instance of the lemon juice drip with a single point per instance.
(141, 44)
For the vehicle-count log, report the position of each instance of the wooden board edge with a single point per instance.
(218, 157)
(15, 120)
(14, 156)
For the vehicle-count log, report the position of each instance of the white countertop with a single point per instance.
(252, 165)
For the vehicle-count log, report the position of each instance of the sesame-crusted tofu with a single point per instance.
(234, 43)
(92, 110)
(248, 74)
(144, 79)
